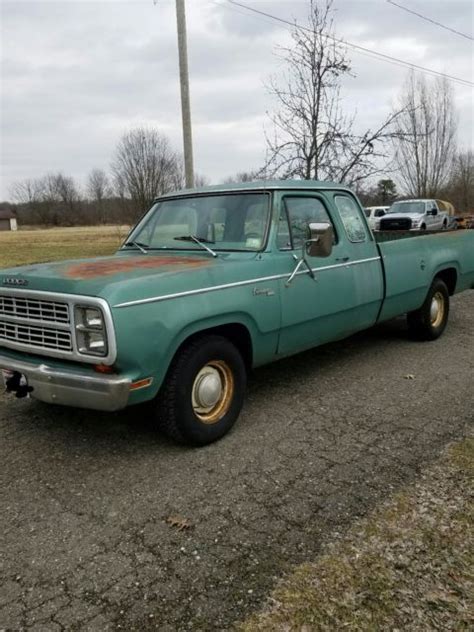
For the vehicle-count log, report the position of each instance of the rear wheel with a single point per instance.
(203, 392)
(429, 322)
(423, 227)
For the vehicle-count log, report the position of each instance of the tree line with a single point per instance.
(312, 134)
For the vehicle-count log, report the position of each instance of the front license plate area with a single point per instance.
(16, 383)
(6, 376)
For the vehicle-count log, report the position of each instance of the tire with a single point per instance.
(423, 227)
(207, 368)
(424, 323)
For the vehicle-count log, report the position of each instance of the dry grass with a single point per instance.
(54, 244)
(408, 566)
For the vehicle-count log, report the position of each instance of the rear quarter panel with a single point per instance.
(412, 263)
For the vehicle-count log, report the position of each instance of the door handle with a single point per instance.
(343, 259)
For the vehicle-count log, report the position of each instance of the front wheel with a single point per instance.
(429, 322)
(204, 390)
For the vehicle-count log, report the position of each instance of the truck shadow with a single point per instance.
(335, 354)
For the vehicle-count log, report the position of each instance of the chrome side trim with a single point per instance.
(72, 300)
(225, 286)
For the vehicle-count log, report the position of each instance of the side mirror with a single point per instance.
(320, 239)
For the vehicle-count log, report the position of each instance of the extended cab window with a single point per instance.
(296, 214)
(351, 218)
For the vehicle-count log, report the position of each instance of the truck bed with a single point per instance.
(411, 260)
(392, 235)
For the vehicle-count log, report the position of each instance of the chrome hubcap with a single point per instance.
(207, 388)
(437, 309)
(213, 391)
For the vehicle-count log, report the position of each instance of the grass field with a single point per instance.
(54, 244)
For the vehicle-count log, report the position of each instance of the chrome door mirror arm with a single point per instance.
(301, 262)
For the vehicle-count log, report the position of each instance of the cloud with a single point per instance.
(75, 75)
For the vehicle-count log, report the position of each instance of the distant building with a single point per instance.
(8, 220)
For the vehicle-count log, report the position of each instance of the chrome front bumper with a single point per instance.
(69, 388)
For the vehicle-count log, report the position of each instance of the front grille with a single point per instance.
(38, 337)
(398, 223)
(43, 323)
(34, 309)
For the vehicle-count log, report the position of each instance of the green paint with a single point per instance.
(391, 278)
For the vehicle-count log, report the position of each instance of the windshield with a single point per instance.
(408, 207)
(367, 212)
(228, 222)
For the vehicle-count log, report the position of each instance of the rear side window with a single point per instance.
(297, 213)
(351, 218)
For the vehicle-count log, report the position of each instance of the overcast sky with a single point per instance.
(75, 75)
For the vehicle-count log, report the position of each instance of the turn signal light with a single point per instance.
(141, 384)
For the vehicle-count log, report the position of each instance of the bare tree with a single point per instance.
(244, 176)
(52, 199)
(64, 189)
(99, 191)
(201, 180)
(425, 138)
(145, 166)
(25, 191)
(460, 189)
(313, 138)
(29, 195)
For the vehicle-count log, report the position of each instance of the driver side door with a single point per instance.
(314, 310)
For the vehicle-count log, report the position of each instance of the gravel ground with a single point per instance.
(408, 566)
(84, 537)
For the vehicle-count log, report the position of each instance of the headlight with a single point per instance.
(91, 336)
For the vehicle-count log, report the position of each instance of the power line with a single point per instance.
(424, 17)
(361, 49)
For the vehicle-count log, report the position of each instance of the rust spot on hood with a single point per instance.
(93, 269)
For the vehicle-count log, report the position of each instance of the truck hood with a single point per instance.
(126, 276)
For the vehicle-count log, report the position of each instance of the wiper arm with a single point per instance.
(201, 241)
(138, 245)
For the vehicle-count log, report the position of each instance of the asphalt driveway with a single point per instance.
(85, 497)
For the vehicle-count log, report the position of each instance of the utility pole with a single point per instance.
(185, 99)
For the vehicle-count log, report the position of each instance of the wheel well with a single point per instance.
(236, 333)
(450, 277)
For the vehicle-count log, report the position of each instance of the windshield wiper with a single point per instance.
(201, 241)
(139, 245)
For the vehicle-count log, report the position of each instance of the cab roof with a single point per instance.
(259, 185)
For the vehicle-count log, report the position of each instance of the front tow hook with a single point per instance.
(17, 384)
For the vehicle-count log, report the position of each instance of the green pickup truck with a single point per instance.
(210, 283)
